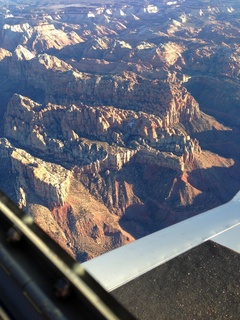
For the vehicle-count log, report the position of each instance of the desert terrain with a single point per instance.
(118, 119)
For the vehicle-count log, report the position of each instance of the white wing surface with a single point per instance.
(115, 268)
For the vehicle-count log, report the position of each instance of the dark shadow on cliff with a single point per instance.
(35, 94)
(9, 88)
(218, 96)
(142, 219)
(151, 184)
(221, 182)
(215, 186)
(7, 179)
(224, 143)
(72, 51)
(149, 181)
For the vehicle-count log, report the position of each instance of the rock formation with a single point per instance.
(103, 135)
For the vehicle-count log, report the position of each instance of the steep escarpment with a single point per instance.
(97, 141)
(57, 129)
(97, 146)
(62, 206)
(61, 83)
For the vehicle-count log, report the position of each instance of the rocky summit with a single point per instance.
(118, 118)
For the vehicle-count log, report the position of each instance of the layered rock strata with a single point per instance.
(35, 174)
(62, 206)
(56, 131)
(102, 131)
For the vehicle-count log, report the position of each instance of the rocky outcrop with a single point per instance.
(63, 84)
(163, 159)
(81, 225)
(88, 225)
(37, 175)
(5, 57)
(11, 35)
(64, 133)
(41, 177)
(4, 53)
(38, 38)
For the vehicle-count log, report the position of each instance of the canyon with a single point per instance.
(118, 119)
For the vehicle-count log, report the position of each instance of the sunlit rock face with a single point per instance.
(103, 135)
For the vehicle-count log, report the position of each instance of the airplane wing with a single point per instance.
(190, 270)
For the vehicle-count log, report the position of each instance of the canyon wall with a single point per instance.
(103, 138)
